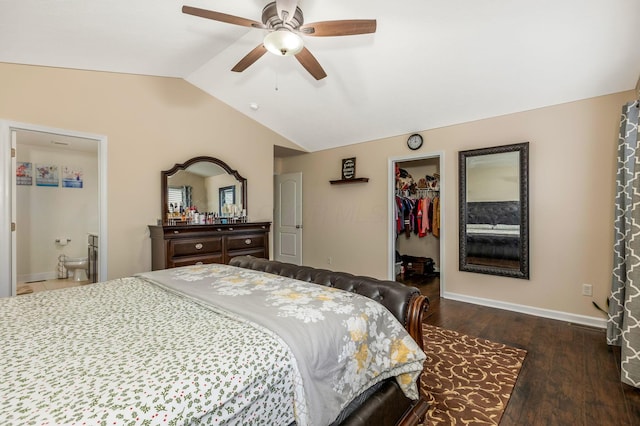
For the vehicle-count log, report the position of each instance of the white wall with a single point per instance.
(47, 213)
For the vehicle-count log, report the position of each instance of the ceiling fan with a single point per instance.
(285, 23)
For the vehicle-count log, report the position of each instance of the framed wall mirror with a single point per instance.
(494, 210)
(199, 183)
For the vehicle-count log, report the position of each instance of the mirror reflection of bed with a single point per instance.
(494, 210)
(493, 233)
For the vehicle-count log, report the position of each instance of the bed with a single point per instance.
(253, 342)
(493, 230)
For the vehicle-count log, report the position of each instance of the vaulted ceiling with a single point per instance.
(431, 63)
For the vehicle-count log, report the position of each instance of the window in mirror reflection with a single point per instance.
(227, 197)
(178, 198)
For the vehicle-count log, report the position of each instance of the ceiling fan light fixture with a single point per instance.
(283, 43)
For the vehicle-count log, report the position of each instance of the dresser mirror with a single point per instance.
(494, 210)
(205, 184)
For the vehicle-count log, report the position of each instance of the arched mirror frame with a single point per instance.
(523, 270)
(165, 174)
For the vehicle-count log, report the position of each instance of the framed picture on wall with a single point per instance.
(46, 175)
(24, 173)
(71, 177)
(349, 168)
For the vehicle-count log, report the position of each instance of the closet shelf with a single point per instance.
(353, 180)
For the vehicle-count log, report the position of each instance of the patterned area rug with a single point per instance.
(467, 380)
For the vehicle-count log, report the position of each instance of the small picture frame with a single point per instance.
(24, 173)
(349, 168)
(46, 175)
(71, 177)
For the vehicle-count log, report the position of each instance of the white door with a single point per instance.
(14, 219)
(287, 228)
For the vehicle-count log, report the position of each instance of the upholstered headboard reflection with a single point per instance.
(493, 212)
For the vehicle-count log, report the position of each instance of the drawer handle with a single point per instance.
(230, 229)
(199, 263)
(247, 241)
(176, 232)
(199, 246)
(219, 229)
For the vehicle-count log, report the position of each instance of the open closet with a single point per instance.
(417, 219)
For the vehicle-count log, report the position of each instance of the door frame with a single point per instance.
(8, 275)
(391, 197)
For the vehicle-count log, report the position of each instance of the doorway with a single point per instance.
(416, 252)
(17, 212)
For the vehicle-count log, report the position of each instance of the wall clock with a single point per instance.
(415, 141)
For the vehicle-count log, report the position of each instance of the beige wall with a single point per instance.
(151, 123)
(493, 181)
(572, 172)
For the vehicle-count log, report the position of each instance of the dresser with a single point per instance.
(181, 245)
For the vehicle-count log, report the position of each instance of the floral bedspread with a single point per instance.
(342, 342)
(126, 352)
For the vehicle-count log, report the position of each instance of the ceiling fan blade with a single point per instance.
(339, 28)
(251, 57)
(222, 17)
(311, 64)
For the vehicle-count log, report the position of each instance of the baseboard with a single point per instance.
(530, 310)
(39, 276)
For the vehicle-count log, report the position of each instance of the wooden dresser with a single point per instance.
(181, 245)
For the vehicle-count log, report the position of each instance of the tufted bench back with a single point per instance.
(391, 294)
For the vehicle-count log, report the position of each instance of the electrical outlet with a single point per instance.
(329, 260)
(587, 290)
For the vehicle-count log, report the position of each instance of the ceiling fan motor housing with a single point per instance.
(272, 20)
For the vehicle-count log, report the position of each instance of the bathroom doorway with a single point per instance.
(58, 200)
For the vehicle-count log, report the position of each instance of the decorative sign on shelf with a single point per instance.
(349, 168)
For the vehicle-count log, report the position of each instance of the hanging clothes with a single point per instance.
(419, 216)
(435, 223)
(623, 328)
(426, 223)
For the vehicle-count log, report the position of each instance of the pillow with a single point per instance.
(479, 226)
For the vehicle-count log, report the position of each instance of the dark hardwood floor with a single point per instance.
(570, 375)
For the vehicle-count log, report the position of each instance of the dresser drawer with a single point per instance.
(197, 260)
(196, 246)
(247, 241)
(182, 245)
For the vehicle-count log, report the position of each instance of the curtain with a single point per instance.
(623, 326)
(186, 196)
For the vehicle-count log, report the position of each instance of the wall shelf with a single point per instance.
(343, 181)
